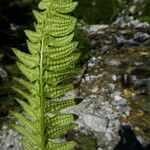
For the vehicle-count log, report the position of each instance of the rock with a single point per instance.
(134, 22)
(118, 100)
(3, 73)
(9, 139)
(123, 25)
(141, 37)
(105, 49)
(96, 123)
(114, 62)
(141, 25)
(94, 90)
(114, 77)
(120, 39)
(87, 77)
(96, 28)
(90, 64)
(132, 9)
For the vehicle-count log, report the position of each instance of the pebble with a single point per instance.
(114, 62)
(96, 28)
(90, 64)
(87, 77)
(132, 9)
(94, 90)
(3, 73)
(114, 77)
(123, 25)
(105, 49)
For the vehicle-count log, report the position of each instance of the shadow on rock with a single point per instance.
(128, 140)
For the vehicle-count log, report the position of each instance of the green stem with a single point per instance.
(42, 101)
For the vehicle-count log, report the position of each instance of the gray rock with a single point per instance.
(105, 49)
(141, 37)
(9, 139)
(96, 28)
(114, 62)
(118, 100)
(3, 73)
(123, 25)
(96, 123)
(132, 9)
(94, 90)
(141, 25)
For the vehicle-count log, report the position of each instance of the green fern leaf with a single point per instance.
(48, 67)
(32, 115)
(61, 146)
(33, 139)
(56, 131)
(32, 87)
(29, 60)
(57, 53)
(61, 120)
(33, 36)
(56, 106)
(54, 92)
(27, 146)
(31, 74)
(31, 127)
(62, 41)
(33, 47)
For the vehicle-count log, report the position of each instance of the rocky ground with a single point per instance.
(115, 85)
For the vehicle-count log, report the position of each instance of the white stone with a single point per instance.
(96, 28)
(118, 100)
(90, 64)
(87, 78)
(132, 9)
(114, 77)
(114, 62)
(94, 90)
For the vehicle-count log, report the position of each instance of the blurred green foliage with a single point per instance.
(86, 142)
(97, 11)
(146, 11)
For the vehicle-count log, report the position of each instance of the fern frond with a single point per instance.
(56, 106)
(54, 92)
(32, 87)
(61, 120)
(59, 42)
(33, 139)
(56, 131)
(61, 146)
(30, 126)
(31, 74)
(62, 64)
(33, 47)
(29, 60)
(27, 145)
(57, 53)
(31, 113)
(48, 67)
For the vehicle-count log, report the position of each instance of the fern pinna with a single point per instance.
(48, 66)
